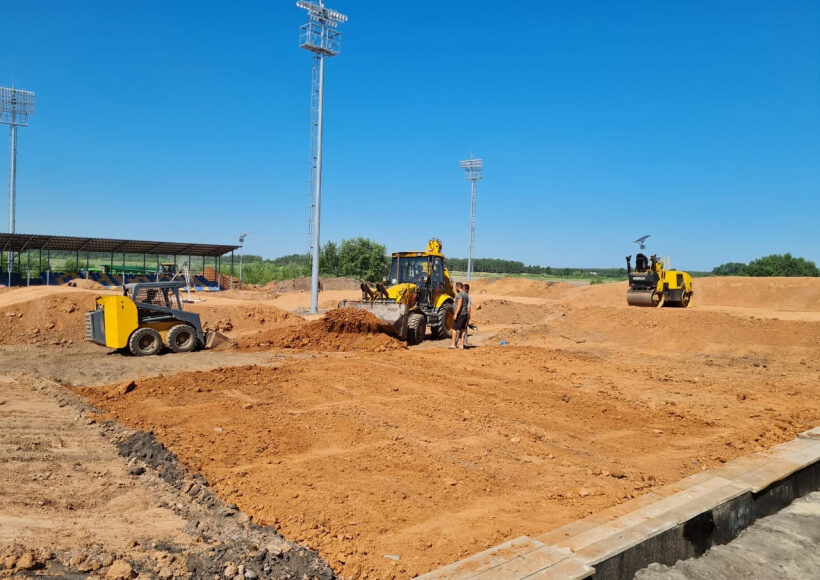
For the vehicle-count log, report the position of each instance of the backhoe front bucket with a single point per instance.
(391, 313)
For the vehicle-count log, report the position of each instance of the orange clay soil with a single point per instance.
(342, 329)
(431, 455)
(44, 315)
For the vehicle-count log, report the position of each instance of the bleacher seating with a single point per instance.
(199, 282)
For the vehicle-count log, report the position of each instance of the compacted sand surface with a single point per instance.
(392, 461)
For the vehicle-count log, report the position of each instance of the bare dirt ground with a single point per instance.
(392, 461)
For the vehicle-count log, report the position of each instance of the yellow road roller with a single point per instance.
(653, 284)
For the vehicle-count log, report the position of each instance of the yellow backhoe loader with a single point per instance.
(416, 297)
(146, 318)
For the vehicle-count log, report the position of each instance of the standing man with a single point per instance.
(459, 316)
(469, 314)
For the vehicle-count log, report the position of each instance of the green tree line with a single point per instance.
(498, 266)
(358, 258)
(774, 265)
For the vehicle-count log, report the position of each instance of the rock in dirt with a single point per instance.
(120, 570)
(136, 470)
(27, 561)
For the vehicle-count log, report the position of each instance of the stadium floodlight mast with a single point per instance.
(15, 107)
(319, 36)
(473, 169)
(241, 239)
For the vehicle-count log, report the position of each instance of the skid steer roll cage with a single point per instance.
(159, 302)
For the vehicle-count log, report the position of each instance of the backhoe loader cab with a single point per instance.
(144, 319)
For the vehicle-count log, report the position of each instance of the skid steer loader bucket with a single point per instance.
(214, 339)
(392, 313)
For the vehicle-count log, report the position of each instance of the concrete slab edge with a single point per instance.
(708, 509)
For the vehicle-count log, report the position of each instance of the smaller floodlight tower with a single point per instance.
(320, 37)
(15, 107)
(473, 169)
(241, 239)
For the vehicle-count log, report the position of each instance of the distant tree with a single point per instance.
(329, 259)
(363, 259)
(782, 265)
(71, 266)
(730, 269)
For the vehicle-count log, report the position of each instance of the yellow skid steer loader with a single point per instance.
(146, 318)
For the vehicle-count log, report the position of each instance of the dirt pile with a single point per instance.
(242, 319)
(50, 319)
(303, 284)
(493, 312)
(785, 294)
(519, 287)
(88, 284)
(801, 294)
(688, 330)
(341, 329)
(606, 294)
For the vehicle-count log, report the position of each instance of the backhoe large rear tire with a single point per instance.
(416, 328)
(145, 342)
(445, 320)
(181, 338)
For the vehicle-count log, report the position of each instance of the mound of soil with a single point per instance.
(801, 294)
(50, 319)
(507, 312)
(242, 318)
(519, 287)
(607, 294)
(341, 329)
(248, 293)
(689, 330)
(787, 294)
(88, 284)
(303, 284)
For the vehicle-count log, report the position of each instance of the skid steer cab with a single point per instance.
(146, 318)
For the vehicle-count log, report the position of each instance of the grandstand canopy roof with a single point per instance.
(23, 242)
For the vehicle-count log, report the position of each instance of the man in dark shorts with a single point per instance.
(469, 307)
(459, 316)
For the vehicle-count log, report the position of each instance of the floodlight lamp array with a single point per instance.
(319, 13)
(15, 106)
(471, 164)
(473, 167)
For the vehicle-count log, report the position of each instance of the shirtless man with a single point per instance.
(459, 316)
(469, 314)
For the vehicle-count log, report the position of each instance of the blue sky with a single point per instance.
(696, 122)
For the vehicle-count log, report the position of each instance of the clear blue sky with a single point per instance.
(697, 122)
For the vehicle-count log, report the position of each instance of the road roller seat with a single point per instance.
(641, 263)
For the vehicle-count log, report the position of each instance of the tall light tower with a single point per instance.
(15, 107)
(320, 37)
(473, 169)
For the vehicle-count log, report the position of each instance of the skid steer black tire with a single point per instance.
(416, 328)
(443, 314)
(145, 342)
(181, 338)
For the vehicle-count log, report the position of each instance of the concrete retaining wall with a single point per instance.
(681, 521)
